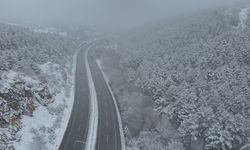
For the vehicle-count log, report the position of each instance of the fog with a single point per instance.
(102, 13)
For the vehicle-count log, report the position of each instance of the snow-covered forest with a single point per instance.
(184, 83)
(36, 85)
(181, 83)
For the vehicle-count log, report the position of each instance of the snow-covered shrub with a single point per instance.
(34, 70)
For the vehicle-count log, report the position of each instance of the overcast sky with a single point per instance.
(99, 12)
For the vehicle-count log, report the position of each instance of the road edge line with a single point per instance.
(116, 106)
(93, 124)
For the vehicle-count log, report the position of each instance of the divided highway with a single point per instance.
(108, 133)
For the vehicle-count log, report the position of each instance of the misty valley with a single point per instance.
(109, 75)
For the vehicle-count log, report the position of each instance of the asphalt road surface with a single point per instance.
(77, 130)
(108, 137)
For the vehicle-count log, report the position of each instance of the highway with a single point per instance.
(77, 129)
(108, 133)
(108, 137)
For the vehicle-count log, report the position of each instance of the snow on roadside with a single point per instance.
(67, 112)
(243, 15)
(45, 129)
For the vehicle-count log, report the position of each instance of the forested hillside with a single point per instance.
(190, 79)
(35, 83)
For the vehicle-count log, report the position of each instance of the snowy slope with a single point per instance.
(47, 125)
(36, 86)
(196, 73)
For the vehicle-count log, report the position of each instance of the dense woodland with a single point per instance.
(185, 83)
(25, 54)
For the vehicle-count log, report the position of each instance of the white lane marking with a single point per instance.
(99, 138)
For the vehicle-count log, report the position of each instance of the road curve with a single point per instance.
(76, 133)
(108, 133)
(108, 137)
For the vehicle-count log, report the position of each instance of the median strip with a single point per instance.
(93, 123)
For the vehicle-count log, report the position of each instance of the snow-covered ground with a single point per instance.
(243, 15)
(36, 85)
(45, 129)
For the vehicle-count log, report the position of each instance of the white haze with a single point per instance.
(103, 13)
